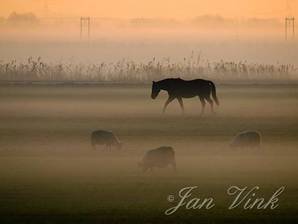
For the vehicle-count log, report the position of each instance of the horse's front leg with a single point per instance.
(169, 100)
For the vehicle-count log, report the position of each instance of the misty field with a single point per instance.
(50, 174)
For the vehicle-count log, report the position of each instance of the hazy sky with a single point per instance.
(179, 9)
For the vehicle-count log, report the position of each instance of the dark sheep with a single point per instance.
(101, 137)
(159, 158)
(247, 139)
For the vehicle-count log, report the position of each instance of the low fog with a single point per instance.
(140, 39)
(58, 86)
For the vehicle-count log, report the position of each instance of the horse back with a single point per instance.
(189, 88)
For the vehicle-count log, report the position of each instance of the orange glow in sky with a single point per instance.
(178, 9)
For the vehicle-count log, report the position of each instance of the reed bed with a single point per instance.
(131, 71)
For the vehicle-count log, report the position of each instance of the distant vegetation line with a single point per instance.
(130, 71)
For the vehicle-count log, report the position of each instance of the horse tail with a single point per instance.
(213, 91)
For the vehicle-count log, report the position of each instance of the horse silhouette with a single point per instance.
(179, 88)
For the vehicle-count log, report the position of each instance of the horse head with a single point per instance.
(155, 90)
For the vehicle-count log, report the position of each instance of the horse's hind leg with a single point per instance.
(203, 105)
(210, 102)
(181, 103)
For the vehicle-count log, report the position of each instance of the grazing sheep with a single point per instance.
(101, 137)
(247, 139)
(160, 157)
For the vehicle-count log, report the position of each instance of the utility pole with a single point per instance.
(84, 23)
(289, 21)
(289, 27)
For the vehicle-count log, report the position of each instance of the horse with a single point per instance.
(179, 88)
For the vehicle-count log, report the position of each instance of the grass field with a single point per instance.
(50, 174)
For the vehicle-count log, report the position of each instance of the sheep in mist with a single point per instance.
(158, 158)
(107, 138)
(246, 139)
